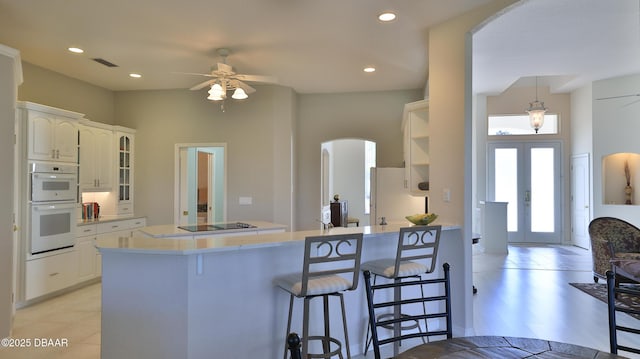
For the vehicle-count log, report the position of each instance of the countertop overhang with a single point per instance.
(184, 246)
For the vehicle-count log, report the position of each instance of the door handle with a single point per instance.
(527, 196)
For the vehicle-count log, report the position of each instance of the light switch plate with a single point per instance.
(245, 200)
(446, 195)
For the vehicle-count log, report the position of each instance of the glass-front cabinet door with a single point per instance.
(125, 172)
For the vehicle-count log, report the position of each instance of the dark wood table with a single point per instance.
(501, 347)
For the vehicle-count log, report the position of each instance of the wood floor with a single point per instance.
(525, 293)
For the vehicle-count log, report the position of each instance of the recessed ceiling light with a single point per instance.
(387, 16)
(135, 76)
(76, 50)
(369, 69)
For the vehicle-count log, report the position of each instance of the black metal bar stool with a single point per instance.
(416, 255)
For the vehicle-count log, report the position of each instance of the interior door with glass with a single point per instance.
(527, 176)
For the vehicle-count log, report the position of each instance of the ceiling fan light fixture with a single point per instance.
(216, 93)
(239, 94)
(76, 50)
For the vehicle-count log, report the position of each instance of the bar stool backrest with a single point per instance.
(629, 341)
(329, 255)
(418, 244)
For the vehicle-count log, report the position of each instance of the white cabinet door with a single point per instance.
(40, 141)
(124, 171)
(96, 164)
(104, 156)
(86, 258)
(87, 158)
(65, 137)
(52, 138)
(46, 275)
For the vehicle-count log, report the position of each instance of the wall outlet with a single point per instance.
(245, 200)
(446, 195)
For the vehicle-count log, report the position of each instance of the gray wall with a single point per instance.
(53, 89)
(374, 116)
(273, 139)
(7, 116)
(165, 118)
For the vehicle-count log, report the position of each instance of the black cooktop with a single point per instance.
(216, 227)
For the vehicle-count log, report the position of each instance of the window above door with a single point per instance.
(518, 125)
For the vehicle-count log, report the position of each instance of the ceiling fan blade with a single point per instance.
(193, 73)
(248, 89)
(257, 78)
(202, 85)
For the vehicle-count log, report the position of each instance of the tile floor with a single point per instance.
(524, 293)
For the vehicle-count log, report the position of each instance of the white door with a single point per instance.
(188, 184)
(580, 199)
(211, 212)
(527, 176)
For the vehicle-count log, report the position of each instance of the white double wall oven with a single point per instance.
(53, 201)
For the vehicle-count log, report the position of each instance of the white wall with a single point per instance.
(349, 174)
(582, 128)
(616, 127)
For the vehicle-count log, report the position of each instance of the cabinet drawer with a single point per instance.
(112, 226)
(46, 275)
(86, 230)
(125, 208)
(136, 223)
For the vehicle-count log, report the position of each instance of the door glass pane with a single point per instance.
(506, 183)
(542, 190)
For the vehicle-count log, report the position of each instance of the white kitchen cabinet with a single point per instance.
(415, 127)
(120, 229)
(96, 158)
(85, 246)
(59, 271)
(90, 261)
(52, 133)
(124, 169)
(48, 274)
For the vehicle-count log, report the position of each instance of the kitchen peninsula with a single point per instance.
(214, 297)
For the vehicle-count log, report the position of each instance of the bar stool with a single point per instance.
(415, 255)
(331, 266)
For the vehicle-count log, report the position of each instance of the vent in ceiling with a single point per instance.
(105, 62)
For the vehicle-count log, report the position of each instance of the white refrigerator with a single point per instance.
(390, 199)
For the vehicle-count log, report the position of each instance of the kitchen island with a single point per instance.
(214, 297)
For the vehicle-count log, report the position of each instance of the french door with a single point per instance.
(527, 176)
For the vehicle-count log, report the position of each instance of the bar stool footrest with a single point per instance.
(328, 341)
(382, 317)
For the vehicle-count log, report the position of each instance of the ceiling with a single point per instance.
(567, 43)
(319, 46)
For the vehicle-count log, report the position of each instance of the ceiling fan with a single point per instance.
(224, 79)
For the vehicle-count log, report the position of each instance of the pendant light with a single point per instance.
(536, 112)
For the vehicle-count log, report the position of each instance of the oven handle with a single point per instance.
(60, 176)
(45, 207)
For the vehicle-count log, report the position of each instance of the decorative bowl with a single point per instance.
(422, 219)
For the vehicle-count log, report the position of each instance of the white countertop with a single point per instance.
(106, 219)
(175, 246)
(172, 230)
